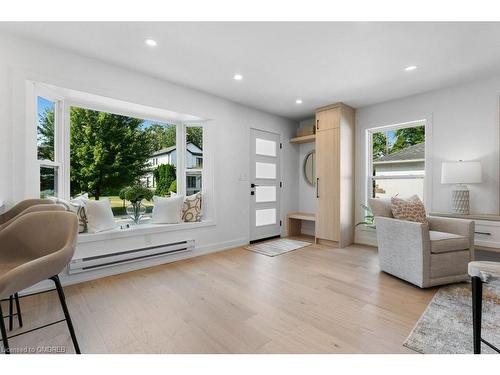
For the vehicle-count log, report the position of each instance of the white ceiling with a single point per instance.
(358, 63)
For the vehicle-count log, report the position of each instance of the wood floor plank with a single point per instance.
(312, 300)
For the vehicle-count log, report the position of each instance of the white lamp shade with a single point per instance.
(461, 172)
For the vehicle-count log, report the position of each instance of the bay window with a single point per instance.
(88, 147)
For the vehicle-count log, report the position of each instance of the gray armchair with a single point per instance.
(426, 255)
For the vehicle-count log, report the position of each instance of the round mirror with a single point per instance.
(310, 168)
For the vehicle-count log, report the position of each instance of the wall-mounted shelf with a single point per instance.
(304, 139)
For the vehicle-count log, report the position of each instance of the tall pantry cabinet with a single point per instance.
(335, 175)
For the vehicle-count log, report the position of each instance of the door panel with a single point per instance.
(327, 184)
(264, 184)
(328, 119)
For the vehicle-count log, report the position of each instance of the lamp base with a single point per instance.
(460, 202)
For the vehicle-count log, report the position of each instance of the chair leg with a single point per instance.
(62, 300)
(18, 309)
(477, 301)
(11, 312)
(3, 331)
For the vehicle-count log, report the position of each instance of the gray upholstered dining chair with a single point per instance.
(481, 272)
(35, 247)
(425, 255)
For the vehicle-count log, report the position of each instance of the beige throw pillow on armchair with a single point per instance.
(411, 209)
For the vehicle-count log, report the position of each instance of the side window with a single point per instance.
(46, 112)
(398, 161)
(194, 159)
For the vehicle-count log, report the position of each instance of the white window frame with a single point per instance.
(369, 158)
(62, 145)
(59, 138)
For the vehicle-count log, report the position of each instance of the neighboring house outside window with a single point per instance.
(397, 163)
(199, 162)
(194, 161)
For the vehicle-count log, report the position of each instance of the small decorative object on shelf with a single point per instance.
(369, 218)
(135, 195)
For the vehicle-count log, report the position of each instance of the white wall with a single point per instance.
(462, 124)
(25, 60)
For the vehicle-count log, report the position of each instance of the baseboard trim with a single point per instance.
(67, 279)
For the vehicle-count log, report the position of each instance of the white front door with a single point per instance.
(264, 185)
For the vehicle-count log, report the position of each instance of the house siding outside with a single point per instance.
(407, 162)
(194, 166)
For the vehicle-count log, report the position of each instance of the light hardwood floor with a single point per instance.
(312, 300)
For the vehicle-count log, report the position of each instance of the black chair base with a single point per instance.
(12, 314)
(477, 311)
(67, 318)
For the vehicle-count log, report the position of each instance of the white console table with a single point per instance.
(487, 229)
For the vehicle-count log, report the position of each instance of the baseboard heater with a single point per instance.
(128, 256)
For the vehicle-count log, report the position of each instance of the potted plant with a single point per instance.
(135, 195)
(369, 219)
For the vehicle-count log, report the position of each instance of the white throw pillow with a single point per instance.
(99, 215)
(167, 210)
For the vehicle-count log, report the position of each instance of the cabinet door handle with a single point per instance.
(317, 187)
(317, 124)
(485, 233)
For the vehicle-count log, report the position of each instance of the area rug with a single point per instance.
(446, 325)
(277, 247)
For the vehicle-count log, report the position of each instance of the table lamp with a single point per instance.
(460, 173)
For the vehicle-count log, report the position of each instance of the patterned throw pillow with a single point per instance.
(76, 205)
(82, 219)
(191, 210)
(411, 210)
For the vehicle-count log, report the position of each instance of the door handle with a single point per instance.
(253, 185)
(317, 187)
(485, 233)
(317, 124)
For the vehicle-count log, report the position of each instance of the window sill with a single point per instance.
(141, 229)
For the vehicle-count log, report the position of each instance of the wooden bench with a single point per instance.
(294, 222)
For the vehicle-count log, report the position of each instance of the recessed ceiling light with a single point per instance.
(151, 42)
(410, 68)
(298, 101)
(237, 77)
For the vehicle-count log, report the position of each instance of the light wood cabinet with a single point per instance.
(327, 184)
(327, 119)
(335, 175)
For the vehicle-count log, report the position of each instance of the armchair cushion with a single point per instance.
(461, 227)
(442, 242)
